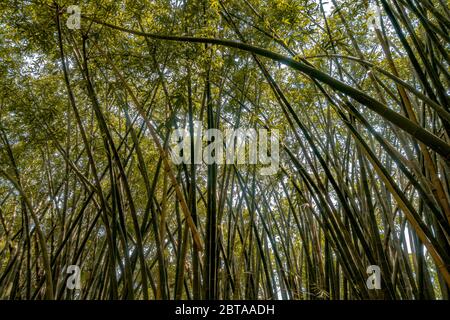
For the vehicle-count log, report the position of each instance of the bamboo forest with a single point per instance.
(225, 150)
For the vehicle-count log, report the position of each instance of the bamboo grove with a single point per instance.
(359, 96)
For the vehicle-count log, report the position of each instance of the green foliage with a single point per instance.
(355, 188)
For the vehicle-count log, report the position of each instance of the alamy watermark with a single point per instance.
(74, 20)
(374, 17)
(74, 280)
(373, 282)
(234, 146)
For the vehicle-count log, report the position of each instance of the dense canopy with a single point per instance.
(357, 92)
